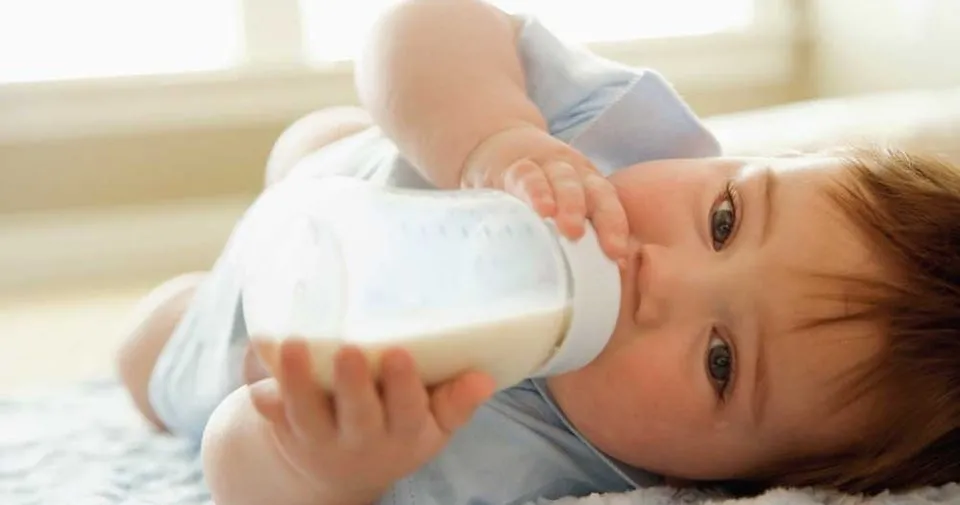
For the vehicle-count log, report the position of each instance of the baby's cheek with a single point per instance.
(640, 406)
(649, 373)
(636, 377)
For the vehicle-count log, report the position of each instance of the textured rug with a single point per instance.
(86, 446)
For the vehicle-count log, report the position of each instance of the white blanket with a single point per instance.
(85, 446)
(664, 496)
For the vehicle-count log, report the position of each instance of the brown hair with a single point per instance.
(908, 207)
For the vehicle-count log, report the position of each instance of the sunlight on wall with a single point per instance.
(334, 29)
(44, 40)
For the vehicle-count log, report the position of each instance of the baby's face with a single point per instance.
(707, 375)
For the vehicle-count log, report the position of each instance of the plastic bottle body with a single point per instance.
(462, 279)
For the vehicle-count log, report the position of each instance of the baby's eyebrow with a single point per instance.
(760, 390)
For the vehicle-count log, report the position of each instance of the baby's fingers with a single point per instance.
(526, 180)
(359, 411)
(571, 199)
(305, 405)
(454, 403)
(405, 397)
(607, 215)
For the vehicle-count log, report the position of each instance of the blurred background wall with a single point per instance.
(880, 45)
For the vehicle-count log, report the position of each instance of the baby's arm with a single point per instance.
(444, 80)
(439, 77)
(284, 441)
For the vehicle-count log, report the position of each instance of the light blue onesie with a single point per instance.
(518, 447)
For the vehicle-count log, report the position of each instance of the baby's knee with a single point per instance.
(153, 322)
(310, 133)
(242, 462)
(235, 445)
(229, 421)
(220, 441)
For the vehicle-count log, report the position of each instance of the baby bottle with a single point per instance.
(463, 280)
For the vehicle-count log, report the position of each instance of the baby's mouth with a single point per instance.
(631, 285)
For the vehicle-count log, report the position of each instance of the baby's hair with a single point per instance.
(908, 207)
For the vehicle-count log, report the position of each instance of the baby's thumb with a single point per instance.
(265, 396)
(253, 369)
(454, 403)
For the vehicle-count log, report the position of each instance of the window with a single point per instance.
(333, 29)
(43, 40)
(205, 62)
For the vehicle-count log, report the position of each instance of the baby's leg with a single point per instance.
(153, 322)
(311, 132)
(162, 310)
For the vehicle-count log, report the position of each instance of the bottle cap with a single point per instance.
(595, 304)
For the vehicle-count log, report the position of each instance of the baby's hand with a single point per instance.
(356, 441)
(555, 179)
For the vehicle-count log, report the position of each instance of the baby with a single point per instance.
(784, 321)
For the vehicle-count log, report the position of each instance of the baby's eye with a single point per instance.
(719, 364)
(723, 219)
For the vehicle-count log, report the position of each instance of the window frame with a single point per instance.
(273, 82)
